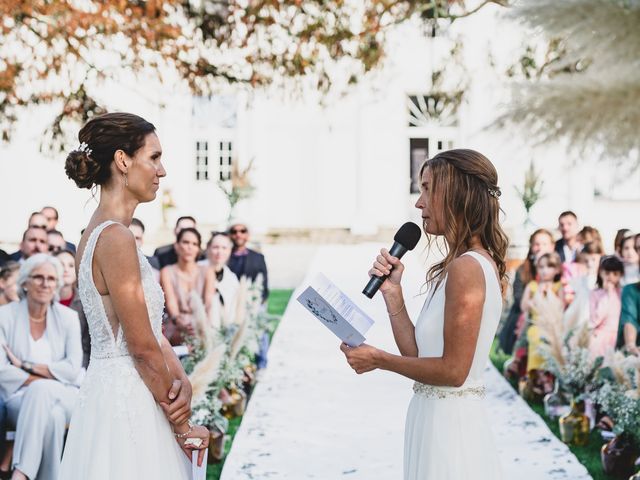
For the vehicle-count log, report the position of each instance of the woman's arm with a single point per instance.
(37, 372)
(403, 328)
(465, 294)
(117, 261)
(629, 318)
(525, 304)
(170, 298)
(180, 410)
(209, 288)
(630, 338)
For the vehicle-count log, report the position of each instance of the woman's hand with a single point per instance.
(179, 411)
(385, 264)
(15, 361)
(198, 432)
(363, 358)
(184, 324)
(633, 350)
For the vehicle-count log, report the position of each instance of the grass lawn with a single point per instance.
(588, 455)
(278, 300)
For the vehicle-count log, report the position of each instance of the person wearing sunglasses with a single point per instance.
(245, 262)
(8, 286)
(41, 359)
(52, 216)
(56, 241)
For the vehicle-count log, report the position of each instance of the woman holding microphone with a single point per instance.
(447, 434)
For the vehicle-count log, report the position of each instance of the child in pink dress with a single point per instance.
(604, 307)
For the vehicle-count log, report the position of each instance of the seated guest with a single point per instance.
(69, 298)
(218, 254)
(548, 283)
(245, 262)
(137, 228)
(179, 281)
(167, 254)
(630, 259)
(628, 337)
(38, 220)
(51, 214)
(568, 246)
(604, 307)
(34, 240)
(540, 242)
(592, 252)
(4, 257)
(591, 235)
(56, 241)
(43, 354)
(617, 242)
(8, 282)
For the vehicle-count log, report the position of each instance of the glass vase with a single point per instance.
(574, 426)
(217, 439)
(556, 404)
(618, 456)
(531, 387)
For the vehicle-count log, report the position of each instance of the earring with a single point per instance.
(126, 182)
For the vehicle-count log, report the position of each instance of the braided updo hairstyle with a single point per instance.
(100, 138)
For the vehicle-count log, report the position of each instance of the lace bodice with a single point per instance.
(104, 344)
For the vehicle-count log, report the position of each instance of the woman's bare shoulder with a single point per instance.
(116, 242)
(465, 276)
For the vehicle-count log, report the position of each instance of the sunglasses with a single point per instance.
(237, 230)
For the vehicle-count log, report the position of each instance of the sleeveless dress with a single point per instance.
(117, 429)
(447, 432)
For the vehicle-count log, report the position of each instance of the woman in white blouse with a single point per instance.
(218, 254)
(43, 356)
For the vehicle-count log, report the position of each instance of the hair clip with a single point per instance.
(83, 147)
(495, 192)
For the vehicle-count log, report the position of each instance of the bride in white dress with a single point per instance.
(132, 417)
(447, 434)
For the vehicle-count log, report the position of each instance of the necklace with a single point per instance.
(38, 320)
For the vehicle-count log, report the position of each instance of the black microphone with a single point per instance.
(406, 239)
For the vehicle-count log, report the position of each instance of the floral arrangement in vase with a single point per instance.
(221, 360)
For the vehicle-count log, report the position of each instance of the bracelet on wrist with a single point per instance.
(27, 367)
(187, 433)
(398, 312)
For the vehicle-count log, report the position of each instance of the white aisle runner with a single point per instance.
(312, 417)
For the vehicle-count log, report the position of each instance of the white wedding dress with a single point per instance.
(447, 432)
(117, 430)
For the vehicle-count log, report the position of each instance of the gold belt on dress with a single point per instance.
(431, 391)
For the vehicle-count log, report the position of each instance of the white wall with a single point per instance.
(344, 165)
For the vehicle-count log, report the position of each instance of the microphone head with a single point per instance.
(408, 235)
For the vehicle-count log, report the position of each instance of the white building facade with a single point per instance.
(345, 165)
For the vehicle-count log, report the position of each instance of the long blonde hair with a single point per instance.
(466, 182)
